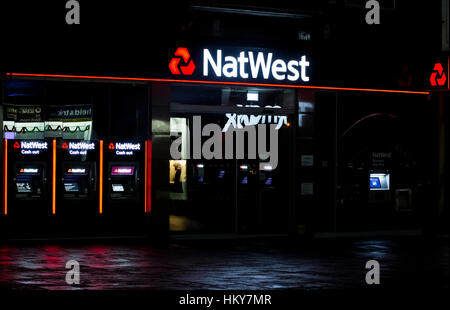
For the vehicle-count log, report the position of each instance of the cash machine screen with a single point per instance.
(76, 181)
(379, 181)
(24, 187)
(123, 182)
(243, 174)
(28, 181)
(71, 187)
(118, 188)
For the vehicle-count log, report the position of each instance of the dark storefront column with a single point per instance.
(159, 225)
(326, 136)
(443, 207)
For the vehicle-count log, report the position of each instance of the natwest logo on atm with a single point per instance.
(30, 147)
(78, 147)
(124, 148)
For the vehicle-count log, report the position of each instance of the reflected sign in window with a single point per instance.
(379, 181)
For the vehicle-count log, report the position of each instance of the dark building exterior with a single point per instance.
(361, 135)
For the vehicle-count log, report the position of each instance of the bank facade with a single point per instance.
(89, 152)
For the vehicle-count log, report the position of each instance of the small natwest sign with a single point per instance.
(124, 148)
(438, 76)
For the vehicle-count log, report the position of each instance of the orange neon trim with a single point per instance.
(146, 176)
(5, 177)
(217, 82)
(148, 184)
(54, 178)
(100, 178)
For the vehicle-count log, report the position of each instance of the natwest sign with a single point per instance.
(33, 145)
(81, 146)
(30, 147)
(128, 146)
(124, 148)
(250, 65)
(235, 64)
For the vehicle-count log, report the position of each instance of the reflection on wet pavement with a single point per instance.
(252, 265)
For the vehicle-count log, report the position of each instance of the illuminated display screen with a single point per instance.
(28, 170)
(379, 181)
(76, 171)
(244, 180)
(221, 174)
(268, 168)
(375, 182)
(71, 187)
(24, 187)
(117, 188)
(122, 170)
(268, 181)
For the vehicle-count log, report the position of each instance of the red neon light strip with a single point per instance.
(54, 178)
(5, 177)
(100, 192)
(216, 82)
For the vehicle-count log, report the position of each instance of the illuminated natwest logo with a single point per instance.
(81, 146)
(182, 54)
(250, 65)
(245, 64)
(128, 146)
(34, 145)
(76, 170)
(438, 76)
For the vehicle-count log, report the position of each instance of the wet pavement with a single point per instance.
(250, 265)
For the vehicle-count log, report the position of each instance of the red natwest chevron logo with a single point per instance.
(188, 67)
(438, 76)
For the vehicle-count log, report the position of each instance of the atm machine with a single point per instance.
(78, 184)
(247, 197)
(28, 178)
(271, 200)
(125, 179)
(27, 187)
